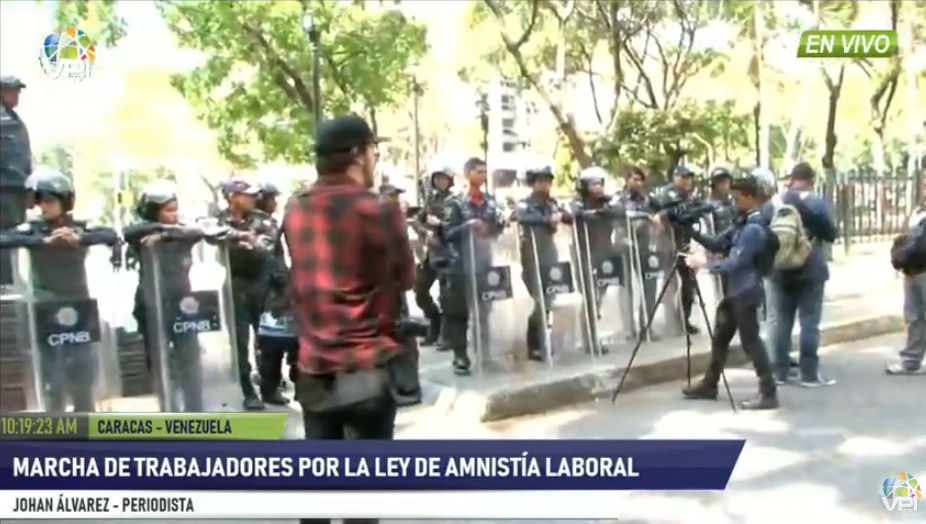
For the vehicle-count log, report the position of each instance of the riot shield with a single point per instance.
(652, 260)
(602, 258)
(558, 324)
(189, 326)
(498, 305)
(711, 284)
(64, 356)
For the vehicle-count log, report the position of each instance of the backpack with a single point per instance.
(766, 259)
(793, 244)
(908, 254)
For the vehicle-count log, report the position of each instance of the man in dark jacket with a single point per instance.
(15, 165)
(737, 310)
(800, 291)
(914, 310)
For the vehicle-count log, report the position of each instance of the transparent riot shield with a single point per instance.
(557, 326)
(189, 326)
(652, 260)
(64, 357)
(602, 245)
(711, 284)
(498, 304)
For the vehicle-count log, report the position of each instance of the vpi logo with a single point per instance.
(900, 491)
(189, 309)
(67, 319)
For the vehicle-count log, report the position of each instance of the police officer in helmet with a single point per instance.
(592, 208)
(160, 235)
(437, 257)
(253, 241)
(539, 215)
(15, 165)
(57, 243)
(682, 188)
(267, 198)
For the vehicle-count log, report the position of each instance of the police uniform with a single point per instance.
(455, 232)
(59, 274)
(437, 255)
(249, 271)
(534, 215)
(15, 167)
(173, 256)
(673, 193)
(637, 208)
(723, 209)
(595, 213)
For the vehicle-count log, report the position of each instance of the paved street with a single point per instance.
(819, 459)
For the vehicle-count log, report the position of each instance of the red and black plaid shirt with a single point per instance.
(351, 259)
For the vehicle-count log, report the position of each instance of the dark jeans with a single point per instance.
(13, 203)
(804, 301)
(738, 316)
(456, 314)
(270, 361)
(424, 281)
(370, 420)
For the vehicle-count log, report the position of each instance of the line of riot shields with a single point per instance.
(61, 354)
(574, 292)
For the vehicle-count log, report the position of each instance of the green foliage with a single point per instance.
(58, 157)
(132, 182)
(255, 87)
(98, 17)
(657, 140)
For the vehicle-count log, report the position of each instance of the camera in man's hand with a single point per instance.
(686, 212)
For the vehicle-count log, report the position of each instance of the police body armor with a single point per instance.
(15, 149)
(188, 311)
(68, 357)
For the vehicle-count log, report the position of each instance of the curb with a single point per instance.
(598, 382)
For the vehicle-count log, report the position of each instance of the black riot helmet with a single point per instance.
(152, 198)
(440, 170)
(532, 174)
(588, 177)
(269, 189)
(52, 182)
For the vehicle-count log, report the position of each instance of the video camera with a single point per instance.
(686, 212)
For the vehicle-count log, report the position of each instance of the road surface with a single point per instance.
(819, 459)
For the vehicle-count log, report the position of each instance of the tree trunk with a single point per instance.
(762, 124)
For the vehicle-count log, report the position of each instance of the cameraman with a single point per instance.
(908, 256)
(748, 242)
(680, 191)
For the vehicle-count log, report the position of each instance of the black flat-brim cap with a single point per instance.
(344, 133)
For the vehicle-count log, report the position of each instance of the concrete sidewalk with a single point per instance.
(863, 299)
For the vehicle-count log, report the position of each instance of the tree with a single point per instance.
(99, 17)
(58, 157)
(254, 88)
(132, 182)
(554, 44)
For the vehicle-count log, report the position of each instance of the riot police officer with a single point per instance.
(171, 242)
(538, 216)
(681, 189)
(723, 208)
(437, 257)
(57, 244)
(15, 165)
(635, 204)
(250, 253)
(470, 215)
(267, 199)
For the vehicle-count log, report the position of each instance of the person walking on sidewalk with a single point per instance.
(799, 291)
(914, 292)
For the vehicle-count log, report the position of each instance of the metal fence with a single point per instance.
(872, 207)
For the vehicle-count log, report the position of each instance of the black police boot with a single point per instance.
(706, 388)
(251, 401)
(274, 397)
(766, 399)
(433, 332)
(691, 328)
(461, 366)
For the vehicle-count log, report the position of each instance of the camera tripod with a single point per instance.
(677, 268)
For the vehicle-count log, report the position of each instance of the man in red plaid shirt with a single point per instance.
(351, 262)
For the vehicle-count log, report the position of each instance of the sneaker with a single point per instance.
(901, 368)
(275, 398)
(818, 382)
(461, 367)
(253, 403)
